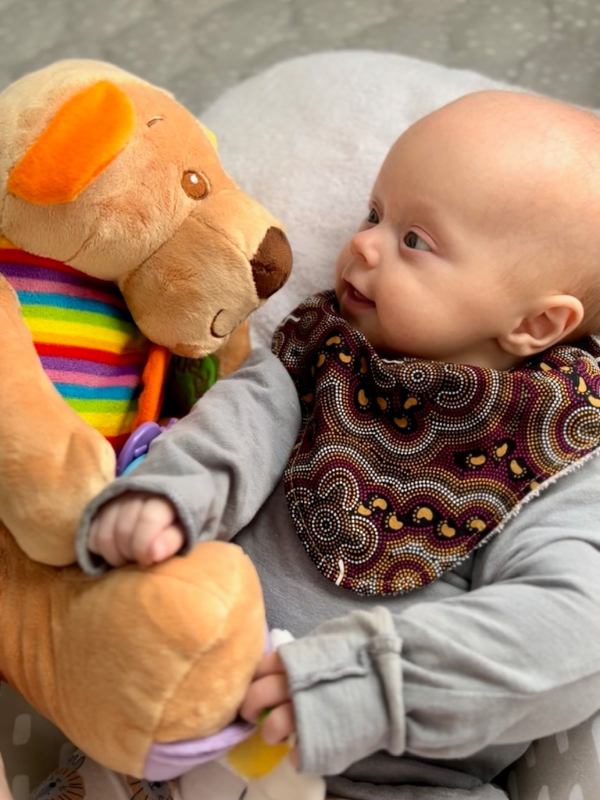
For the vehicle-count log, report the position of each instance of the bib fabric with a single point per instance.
(403, 467)
(87, 341)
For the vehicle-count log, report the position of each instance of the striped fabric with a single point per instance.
(86, 338)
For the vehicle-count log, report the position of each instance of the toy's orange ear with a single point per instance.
(86, 134)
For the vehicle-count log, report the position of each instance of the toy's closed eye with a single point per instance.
(194, 184)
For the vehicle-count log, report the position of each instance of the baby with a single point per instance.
(448, 383)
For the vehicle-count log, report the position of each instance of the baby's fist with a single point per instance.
(137, 526)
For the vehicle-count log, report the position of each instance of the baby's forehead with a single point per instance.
(503, 137)
(499, 170)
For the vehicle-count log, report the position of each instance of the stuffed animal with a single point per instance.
(124, 240)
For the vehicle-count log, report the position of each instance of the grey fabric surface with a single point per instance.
(198, 48)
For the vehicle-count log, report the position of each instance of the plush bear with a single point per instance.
(123, 241)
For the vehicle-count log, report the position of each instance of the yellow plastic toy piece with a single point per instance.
(253, 758)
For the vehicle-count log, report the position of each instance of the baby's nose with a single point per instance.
(364, 247)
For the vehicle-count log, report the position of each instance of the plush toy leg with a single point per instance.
(137, 657)
(46, 450)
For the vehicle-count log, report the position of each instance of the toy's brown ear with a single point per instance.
(85, 135)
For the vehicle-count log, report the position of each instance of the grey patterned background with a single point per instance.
(198, 48)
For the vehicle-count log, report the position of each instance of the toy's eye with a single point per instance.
(194, 184)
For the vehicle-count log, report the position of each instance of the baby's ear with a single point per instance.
(559, 317)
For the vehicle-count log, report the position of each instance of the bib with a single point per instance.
(403, 467)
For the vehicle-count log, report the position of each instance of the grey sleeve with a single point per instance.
(219, 463)
(515, 658)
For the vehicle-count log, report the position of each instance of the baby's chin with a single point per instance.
(347, 315)
(356, 323)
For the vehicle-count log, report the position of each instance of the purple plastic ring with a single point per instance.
(138, 443)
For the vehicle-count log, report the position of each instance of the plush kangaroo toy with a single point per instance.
(124, 241)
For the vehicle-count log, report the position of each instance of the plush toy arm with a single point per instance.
(51, 461)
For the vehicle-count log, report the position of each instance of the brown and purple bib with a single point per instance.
(403, 467)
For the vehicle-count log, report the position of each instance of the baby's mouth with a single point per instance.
(356, 296)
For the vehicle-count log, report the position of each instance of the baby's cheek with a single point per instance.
(343, 256)
(341, 261)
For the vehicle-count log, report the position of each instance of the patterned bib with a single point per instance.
(403, 467)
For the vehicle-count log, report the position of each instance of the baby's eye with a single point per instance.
(373, 217)
(415, 242)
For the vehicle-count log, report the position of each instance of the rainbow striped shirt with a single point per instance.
(85, 336)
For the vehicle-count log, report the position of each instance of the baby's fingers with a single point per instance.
(279, 724)
(156, 515)
(269, 664)
(102, 539)
(165, 545)
(267, 692)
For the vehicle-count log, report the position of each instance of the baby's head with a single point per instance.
(482, 240)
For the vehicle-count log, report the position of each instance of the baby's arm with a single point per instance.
(217, 466)
(516, 658)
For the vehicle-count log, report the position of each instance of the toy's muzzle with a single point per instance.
(272, 263)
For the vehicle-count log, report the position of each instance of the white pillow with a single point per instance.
(306, 138)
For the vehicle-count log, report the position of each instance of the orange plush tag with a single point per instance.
(85, 135)
(153, 382)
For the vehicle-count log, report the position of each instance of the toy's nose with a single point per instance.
(272, 263)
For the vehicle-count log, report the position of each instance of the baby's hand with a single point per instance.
(136, 526)
(270, 691)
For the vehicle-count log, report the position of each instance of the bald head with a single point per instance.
(517, 111)
(519, 167)
(526, 153)
(506, 119)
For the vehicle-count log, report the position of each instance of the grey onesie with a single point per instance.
(441, 687)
